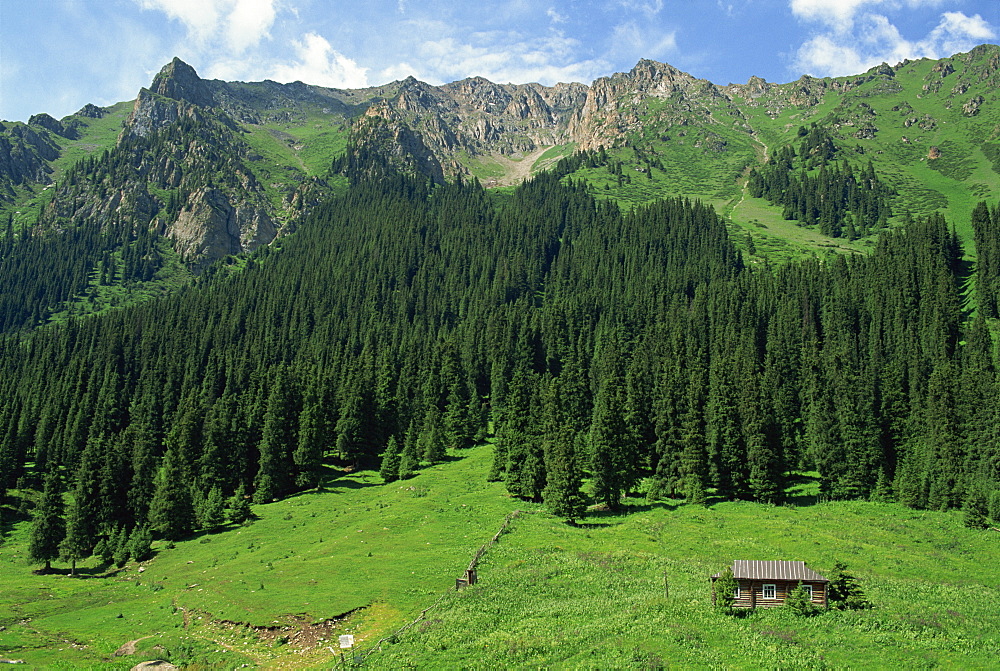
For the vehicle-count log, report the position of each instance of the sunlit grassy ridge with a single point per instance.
(549, 594)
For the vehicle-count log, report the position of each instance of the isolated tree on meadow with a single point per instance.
(975, 510)
(119, 541)
(211, 509)
(844, 591)
(77, 543)
(608, 458)
(308, 454)
(431, 439)
(390, 461)
(140, 543)
(409, 457)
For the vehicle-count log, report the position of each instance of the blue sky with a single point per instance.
(58, 55)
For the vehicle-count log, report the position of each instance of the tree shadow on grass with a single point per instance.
(102, 570)
(742, 613)
(344, 482)
(802, 489)
(669, 506)
(598, 517)
(11, 515)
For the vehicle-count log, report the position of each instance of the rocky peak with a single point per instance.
(92, 111)
(884, 69)
(754, 88)
(653, 71)
(179, 81)
(660, 79)
(47, 122)
(415, 96)
(613, 104)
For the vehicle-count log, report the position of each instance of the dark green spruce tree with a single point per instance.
(49, 527)
(171, 512)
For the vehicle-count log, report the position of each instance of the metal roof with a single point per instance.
(774, 570)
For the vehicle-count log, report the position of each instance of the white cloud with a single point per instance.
(248, 23)
(649, 7)
(241, 24)
(821, 57)
(320, 64)
(873, 39)
(956, 31)
(200, 17)
(840, 14)
(633, 41)
(396, 72)
(555, 16)
(507, 57)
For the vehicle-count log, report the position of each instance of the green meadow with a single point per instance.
(624, 590)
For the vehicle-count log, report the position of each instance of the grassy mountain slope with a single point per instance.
(372, 557)
(928, 126)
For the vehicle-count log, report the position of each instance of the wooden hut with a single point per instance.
(764, 584)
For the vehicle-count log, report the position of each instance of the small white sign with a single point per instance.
(346, 641)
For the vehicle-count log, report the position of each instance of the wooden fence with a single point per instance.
(468, 578)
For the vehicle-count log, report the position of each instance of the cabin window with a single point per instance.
(736, 592)
(768, 592)
(809, 590)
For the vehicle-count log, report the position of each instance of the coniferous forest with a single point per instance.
(633, 351)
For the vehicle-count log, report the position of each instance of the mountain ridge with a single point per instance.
(219, 168)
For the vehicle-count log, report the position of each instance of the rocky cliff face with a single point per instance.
(152, 112)
(479, 117)
(210, 227)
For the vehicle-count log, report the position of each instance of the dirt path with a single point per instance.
(130, 647)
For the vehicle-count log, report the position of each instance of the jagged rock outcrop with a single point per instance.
(209, 227)
(972, 105)
(479, 117)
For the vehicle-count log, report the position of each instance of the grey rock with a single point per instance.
(210, 227)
